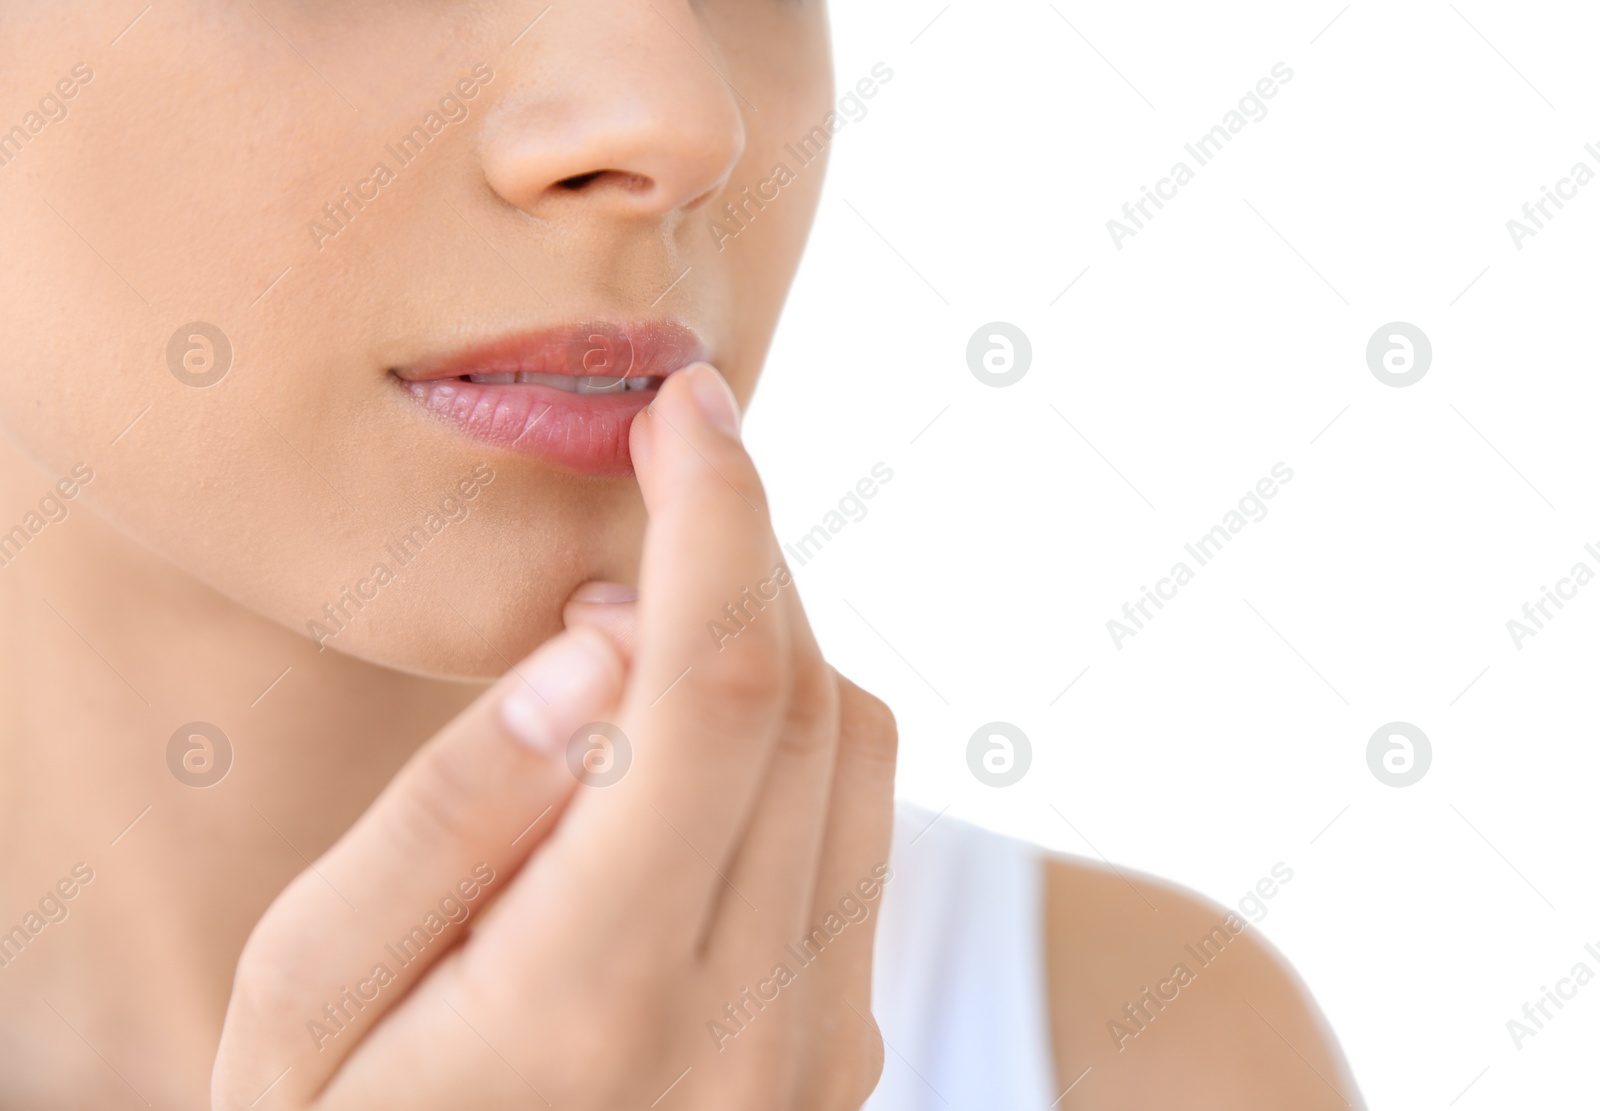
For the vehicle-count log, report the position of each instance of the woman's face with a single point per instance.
(255, 251)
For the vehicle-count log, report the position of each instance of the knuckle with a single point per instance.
(753, 492)
(811, 719)
(867, 723)
(751, 675)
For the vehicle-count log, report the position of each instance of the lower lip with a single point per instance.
(583, 433)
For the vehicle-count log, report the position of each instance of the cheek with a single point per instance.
(148, 212)
(178, 205)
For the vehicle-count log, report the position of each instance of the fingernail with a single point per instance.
(714, 397)
(564, 673)
(607, 593)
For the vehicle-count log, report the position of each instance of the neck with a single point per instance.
(107, 652)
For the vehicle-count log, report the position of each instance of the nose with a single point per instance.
(611, 112)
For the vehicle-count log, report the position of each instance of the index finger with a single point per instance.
(702, 708)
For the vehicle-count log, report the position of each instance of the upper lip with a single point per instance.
(607, 349)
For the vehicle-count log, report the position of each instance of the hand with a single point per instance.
(645, 940)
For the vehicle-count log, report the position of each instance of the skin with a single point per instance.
(1243, 1033)
(180, 186)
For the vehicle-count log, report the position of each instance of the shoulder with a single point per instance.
(1168, 1000)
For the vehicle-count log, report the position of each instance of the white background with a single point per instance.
(1224, 338)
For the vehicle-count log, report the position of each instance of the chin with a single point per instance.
(468, 618)
(430, 646)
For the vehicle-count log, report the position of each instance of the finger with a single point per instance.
(861, 811)
(854, 864)
(350, 935)
(861, 803)
(833, 958)
(702, 710)
(609, 607)
(775, 870)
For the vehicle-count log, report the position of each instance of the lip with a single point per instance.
(586, 433)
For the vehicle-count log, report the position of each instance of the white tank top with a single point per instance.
(958, 984)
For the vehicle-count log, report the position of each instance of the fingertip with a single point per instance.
(693, 421)
(713, 397)
(639, 441)
(609, 608)
(601, 591)
(695, 401)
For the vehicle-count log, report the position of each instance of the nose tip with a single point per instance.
(630, 124)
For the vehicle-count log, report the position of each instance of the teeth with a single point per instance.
(564, 382)
(567, 383)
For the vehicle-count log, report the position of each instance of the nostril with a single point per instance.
(578, 181)
(630, 182)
